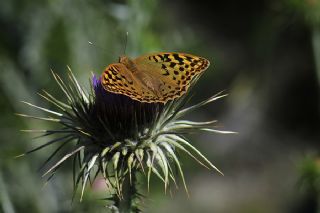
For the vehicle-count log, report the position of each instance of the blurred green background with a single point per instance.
(265, 54)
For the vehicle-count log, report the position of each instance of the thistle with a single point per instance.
(117, 137)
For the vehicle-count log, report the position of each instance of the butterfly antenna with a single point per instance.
(125, 43)
(94, 45)
(101, 48)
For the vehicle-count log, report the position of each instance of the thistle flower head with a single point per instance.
(119, 117)
(118, 137)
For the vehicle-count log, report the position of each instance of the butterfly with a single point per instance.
(153, 78)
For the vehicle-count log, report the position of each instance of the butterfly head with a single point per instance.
(123, 59)
(127, 62)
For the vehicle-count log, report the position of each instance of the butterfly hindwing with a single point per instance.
(114, 81)
(116, 78)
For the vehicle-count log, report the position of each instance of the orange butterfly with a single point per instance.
(157, 77)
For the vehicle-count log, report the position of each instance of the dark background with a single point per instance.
(265, 54)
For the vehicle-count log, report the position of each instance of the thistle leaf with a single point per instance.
(43, 109)
(181, 140)
(172, 154)
(165, 167)
(87, 173)
(196, 106)
(63, 159)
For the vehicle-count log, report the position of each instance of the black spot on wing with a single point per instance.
(165, 69)
(166, 57)
(172, 64)
(188, 58)
(155, 58)
(178, 58)
(161, 57)
(114, 70)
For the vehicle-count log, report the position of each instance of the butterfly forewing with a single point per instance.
(175, 70)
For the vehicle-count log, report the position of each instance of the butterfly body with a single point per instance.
(157, 77)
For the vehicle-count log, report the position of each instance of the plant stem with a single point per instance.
(316, 49)
(128, 203)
